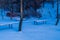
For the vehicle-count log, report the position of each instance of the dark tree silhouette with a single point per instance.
(57, 14)
(21, 17)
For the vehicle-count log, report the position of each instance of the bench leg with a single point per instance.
(10, 26)
(35, 22)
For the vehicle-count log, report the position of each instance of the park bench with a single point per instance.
(8, 23)
(40, 21)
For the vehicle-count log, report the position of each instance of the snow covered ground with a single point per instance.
(30, 31)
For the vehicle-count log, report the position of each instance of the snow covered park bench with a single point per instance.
(8, 23)
(39, 21)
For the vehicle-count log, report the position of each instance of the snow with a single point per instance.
(30, 31)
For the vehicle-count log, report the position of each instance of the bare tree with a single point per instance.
(21, 17)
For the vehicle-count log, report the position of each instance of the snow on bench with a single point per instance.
(8, 23)
(39, 21)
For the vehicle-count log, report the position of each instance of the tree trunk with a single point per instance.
(57, 21)
(20, 24)
(57, 14)
(21, 17)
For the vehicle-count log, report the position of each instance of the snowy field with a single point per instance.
(30, 31)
